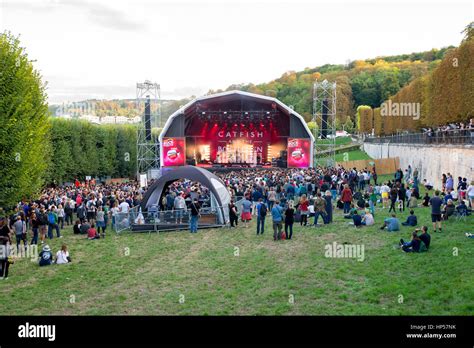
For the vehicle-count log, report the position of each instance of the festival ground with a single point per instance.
(234, 272)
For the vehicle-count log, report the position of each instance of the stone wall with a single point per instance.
(431, 160)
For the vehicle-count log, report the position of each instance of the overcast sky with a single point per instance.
(101, 49)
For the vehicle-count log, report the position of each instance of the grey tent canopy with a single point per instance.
(200, 175)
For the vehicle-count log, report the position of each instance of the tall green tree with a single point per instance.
(24, 134)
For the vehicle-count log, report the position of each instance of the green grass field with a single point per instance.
(176, 273)
(352, 156)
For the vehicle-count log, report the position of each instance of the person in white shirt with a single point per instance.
(368, 219)
(384, 190)
(62, 256)
(470, 193)
(124, 207)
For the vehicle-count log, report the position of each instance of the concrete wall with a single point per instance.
(431, 160)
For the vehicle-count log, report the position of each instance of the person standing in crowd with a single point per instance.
(43, 224)
(449, 183)
(277, 218)
(271, 197)
(436, 203)
(81, 212)
(328, 199)
(53, 223)
(470, 194)
(443, 182)
(256, 196)
(385, 193)
(393, 198)
(61, 215)
(179, 207)
(35, 228)
(100, 222)
(319, 208)
(303, 208)
(5, 241)
(195, 214)
(402, 195)
(346, 197)
(233, 216)
(69, 210)
(261, 215)
(246, 211)
(19, 227)
(289, 220)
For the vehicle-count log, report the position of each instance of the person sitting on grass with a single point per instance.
(357, 219)
(45, 256)
(62, 256)
(428, 185)
(411, 219)
(413, 202)
(425, 237)
(84, 227)
(392, 224)
(77, 227)
(448, 210)
(92, 233)
(368, 218)
(411, 246)
(462, 208)
(351, 212)
(426, 200)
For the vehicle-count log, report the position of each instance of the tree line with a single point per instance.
(444, 95)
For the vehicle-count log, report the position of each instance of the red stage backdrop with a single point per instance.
(174, 152)
(299, 153)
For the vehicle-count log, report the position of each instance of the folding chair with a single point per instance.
(460, 215)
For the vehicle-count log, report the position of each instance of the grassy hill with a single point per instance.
(134, 274)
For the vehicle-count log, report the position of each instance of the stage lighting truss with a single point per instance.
(148, 153)
(324, 107)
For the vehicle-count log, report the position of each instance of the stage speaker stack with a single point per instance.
(282, 162)
(324, 123)
(147, 119)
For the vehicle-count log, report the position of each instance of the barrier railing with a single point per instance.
(163, 220)
(455, 136)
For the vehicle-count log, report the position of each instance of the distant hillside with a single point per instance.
(361, 82)
(444, 95)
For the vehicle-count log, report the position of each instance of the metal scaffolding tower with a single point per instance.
(148, 154)
(324, 116)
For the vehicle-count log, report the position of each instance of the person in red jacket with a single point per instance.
(346, 197)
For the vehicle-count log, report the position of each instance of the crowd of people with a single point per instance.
(303, 195)
(287, 196)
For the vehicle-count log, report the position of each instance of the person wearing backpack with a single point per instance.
(261, 215)
(53, 223)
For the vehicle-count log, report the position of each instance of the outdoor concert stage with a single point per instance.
(236, 129)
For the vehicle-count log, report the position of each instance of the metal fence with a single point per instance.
(163, 220)
(452, 137)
